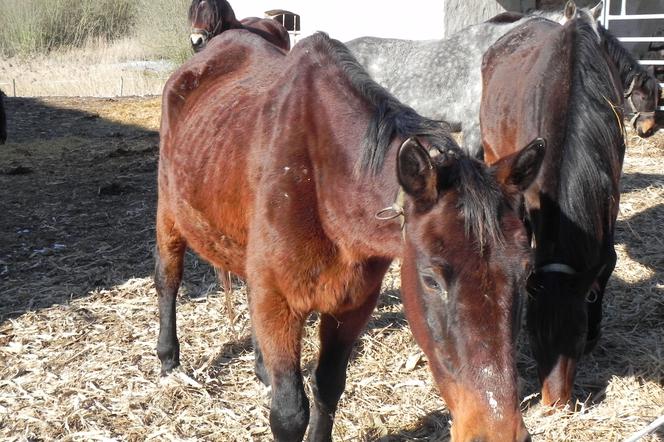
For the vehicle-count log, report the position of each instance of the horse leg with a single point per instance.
(168, 275)
(226, 283)
(278, 332)
(338, 333)
(595, 307)
(259, 362)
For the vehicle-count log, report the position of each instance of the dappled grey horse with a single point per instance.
(442, 79)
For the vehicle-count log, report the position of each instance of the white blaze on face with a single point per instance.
(492, 402)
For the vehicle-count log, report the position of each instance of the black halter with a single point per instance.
(637, 113)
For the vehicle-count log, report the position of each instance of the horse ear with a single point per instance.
(416, 173)
(570, 9)
(521, 168)
(597, 10)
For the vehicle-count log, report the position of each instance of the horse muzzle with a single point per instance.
(644, 124)
(198, 41)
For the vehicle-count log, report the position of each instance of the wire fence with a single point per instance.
(110, 88)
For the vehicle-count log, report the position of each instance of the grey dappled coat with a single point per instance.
(440, 79)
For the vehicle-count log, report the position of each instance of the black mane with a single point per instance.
(479, 195)
(628, 66)
(593, 151)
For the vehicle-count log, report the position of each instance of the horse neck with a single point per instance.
(587, 166)
(625, 63)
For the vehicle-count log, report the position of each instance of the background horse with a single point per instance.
(543, 79)
(3, 119)
(641, 88)
(442, 79)
(212, 17)
(275, 167)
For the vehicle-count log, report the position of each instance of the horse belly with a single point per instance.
(219, 239)
(206, 186)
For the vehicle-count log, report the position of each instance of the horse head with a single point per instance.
(208, 18)
(642, 98)
(464, 303)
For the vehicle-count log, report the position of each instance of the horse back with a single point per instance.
(526, 78)
(269, 29)
(226, 61)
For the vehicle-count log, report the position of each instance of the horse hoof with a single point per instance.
(167, 367)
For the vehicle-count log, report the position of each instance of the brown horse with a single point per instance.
(3, 119)
(642, 92)
(212, 17)
(276, 166)
(543, 79)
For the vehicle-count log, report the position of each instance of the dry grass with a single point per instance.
(78, 324)
(100, 69)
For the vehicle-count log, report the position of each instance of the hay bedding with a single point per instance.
(78, 319)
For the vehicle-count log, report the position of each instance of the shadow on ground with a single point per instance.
(78, 202)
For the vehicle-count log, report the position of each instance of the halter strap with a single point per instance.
(637, 113)
(204, 32)
(630, 89)
(557, 267)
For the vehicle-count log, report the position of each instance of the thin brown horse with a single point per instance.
(276, 166)
(208, 18)
(558, 82)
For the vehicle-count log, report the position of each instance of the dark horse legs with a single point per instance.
(168, 275)
(337, 336)
(278, 332)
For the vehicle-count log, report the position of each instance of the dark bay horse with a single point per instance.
(276, 166)
(208, 18)
(3, 119)
(642, 92)
(442, 79)
(544, 79)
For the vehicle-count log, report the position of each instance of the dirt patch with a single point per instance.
(78, 321)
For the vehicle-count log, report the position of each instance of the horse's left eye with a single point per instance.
(430, 282)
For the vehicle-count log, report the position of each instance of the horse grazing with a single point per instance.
(276, 165)
(641, 88)
(442, 79)
(3, 119)
(544, 79)
(209, 18)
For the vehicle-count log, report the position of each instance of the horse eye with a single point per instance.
(430, 282)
